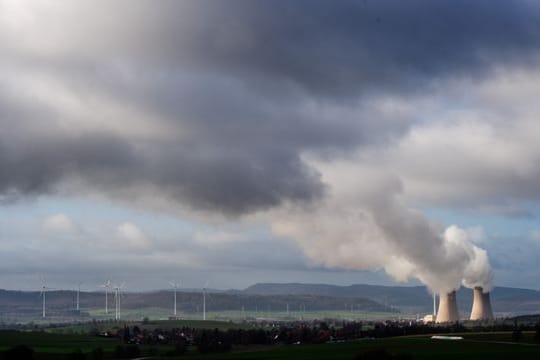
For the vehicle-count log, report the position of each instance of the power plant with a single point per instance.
(448, 310)
(481, 309)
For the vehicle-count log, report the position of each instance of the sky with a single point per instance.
(244, 141)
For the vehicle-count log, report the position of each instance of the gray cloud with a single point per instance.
(34, 165)
(255, 107)
(236, 90)
(333, 49)
(343, 49)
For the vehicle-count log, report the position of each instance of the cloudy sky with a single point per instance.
(247, 141)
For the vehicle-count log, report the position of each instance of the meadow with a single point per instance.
(45, 342)
(478, 346)
(407, 347)
(238, 315)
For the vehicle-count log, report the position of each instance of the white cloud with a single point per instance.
(219, 238)
(132, 237)
(535, 234)
(60, 223)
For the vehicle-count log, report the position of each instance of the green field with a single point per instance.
(235, 316)
(56, 343)
(478, 346)
(418, 348)
(308, 315)
(238, 315)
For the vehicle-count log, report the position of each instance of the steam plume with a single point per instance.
(372, 229)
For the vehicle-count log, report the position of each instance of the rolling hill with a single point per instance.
(20, 303)
(505, 300)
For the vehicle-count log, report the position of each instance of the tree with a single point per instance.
(19, 352)
(97, 354)
(77, 354)
(517, 335)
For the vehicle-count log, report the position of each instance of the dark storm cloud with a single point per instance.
(33, 165)
(240, 87)
(204, 178)
(342, 48)
(234, 182)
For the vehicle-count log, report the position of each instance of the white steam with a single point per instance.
(365, 226)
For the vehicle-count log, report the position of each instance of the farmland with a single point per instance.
(478, 345)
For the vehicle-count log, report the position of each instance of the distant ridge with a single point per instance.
(407, 298)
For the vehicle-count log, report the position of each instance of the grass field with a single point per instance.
(308, 315)
(231, 315)
(238, 315)
(57, 343)
(418, 348)
(500, 336)
(196, 324)
(478, 346)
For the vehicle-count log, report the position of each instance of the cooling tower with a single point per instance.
(448, 311)
(481, 309)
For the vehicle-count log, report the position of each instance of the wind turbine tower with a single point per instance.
(117, 298)
(78, 296)
(107, 286)
(43, 291)
(42, 294)
(175, 286)
(204, 300)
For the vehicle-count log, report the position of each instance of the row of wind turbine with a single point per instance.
(118, 293)
(117, 297)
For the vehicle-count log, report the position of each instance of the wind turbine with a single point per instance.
(107, 286)
(117, 295)
(78, 293)
(175, 286)
(204, 300)
(42, 294)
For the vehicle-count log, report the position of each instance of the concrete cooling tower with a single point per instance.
(448, 310)
(481, 309)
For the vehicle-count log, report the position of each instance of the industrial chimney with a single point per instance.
(448, 311)
(481, 309)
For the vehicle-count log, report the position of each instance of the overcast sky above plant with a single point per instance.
(245, 141)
